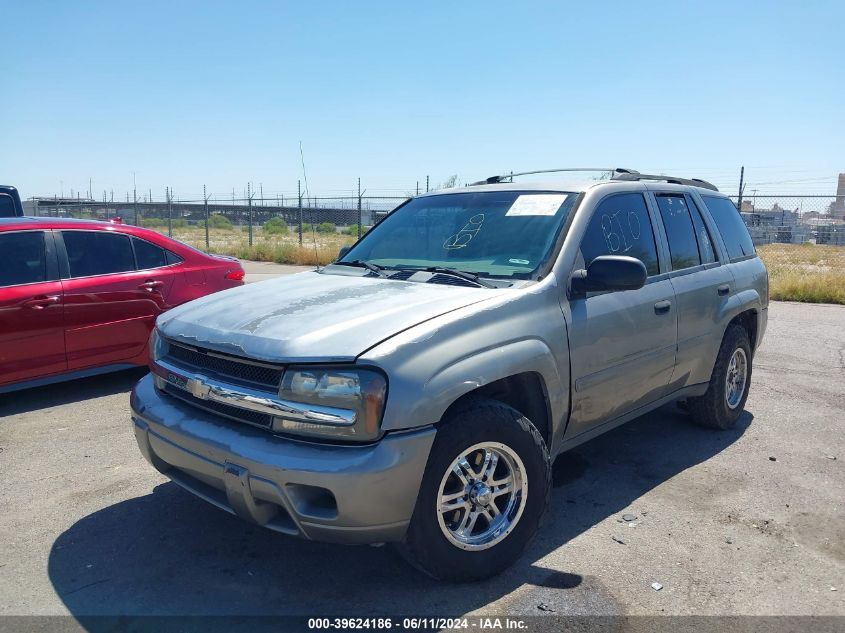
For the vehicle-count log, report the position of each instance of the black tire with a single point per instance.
(711, 409)
(426, 546)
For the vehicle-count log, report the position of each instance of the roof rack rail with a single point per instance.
(631, 174)
(492, 180)
(617, 173)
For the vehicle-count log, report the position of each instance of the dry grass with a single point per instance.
(281, 249)
(805, 272)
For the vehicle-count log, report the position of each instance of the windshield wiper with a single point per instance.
(360, 263)
(454, 272)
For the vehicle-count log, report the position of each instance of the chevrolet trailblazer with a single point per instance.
(417, 390)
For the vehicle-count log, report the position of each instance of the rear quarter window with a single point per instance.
(731, 227)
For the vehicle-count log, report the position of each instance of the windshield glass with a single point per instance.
(491, 233)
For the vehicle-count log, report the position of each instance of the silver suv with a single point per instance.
(417, 390)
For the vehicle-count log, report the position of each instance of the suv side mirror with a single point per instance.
(343, 251)
(610, 273)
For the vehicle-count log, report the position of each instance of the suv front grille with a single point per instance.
(234, 413)
(227, 368)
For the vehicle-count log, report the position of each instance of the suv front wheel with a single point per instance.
(485, 488)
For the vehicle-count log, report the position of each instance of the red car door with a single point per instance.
(32, 339)
(110, 305)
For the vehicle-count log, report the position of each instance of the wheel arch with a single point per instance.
(743, 309)
(522, 374)
(748, 320)
(526, 392)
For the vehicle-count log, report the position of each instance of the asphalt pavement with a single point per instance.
(746, 521)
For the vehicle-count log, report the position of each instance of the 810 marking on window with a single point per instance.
(621, 229)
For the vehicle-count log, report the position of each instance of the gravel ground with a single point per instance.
(259, 271)
(748, 521)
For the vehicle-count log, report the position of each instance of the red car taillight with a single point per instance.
(235, 275)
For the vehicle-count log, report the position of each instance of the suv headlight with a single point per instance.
(340, 403)
(157, 346)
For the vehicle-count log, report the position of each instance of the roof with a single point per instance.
(30, 222)
(47, 222)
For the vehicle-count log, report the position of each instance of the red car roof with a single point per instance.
(46, 223)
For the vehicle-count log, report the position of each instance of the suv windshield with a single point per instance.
(491, 233)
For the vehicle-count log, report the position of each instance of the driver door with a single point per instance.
(622, 344)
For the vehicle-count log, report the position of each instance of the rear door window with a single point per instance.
(148, 255)
(705, 242)
(92, 253)
(680, 231)
(621, 226)
(23, 258)
(731, 226)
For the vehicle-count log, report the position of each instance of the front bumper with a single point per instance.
(347, 494)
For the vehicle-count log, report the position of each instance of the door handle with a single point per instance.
(662, 307)
(723, 290)
(151, 285)
(39, 303)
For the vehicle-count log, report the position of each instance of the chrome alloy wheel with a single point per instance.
(736, 378)
(482, 496)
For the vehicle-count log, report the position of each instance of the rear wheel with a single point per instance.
(724, 400)
(485, 488)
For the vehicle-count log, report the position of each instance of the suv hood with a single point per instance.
(312, 316)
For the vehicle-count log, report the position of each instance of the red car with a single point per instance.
(80, 297)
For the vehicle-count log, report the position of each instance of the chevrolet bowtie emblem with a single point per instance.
(198, 387)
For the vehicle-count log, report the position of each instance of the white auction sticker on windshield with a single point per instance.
(537, 204)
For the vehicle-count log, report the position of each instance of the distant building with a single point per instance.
(837, 208)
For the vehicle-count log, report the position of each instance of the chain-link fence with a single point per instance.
(801, 238)
(298, 230)
(795, 219)
(802, 241)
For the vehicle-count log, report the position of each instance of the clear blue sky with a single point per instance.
(192, 93)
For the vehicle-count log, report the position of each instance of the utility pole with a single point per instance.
(249, 195)
(741, 187)
(359, 208)
(426, 184)
(205, 209)
(299, 195)
(418, 187)
(261, 189)
(169, 212)
(90, 190)
(135, 198)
